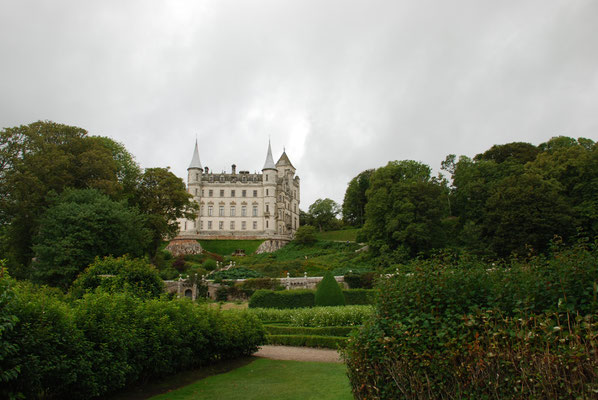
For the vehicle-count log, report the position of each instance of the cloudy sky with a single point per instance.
(343, 85)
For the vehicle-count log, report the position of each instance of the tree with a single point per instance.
(324, 212)
(404, 210)
(162, 197)
(79, 226)
(38, 159)
(329, 292)
(306, 234)
(123, 274)
(355, 199)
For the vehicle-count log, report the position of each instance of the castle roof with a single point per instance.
(284, 161)
(269, 164)
(195, 163)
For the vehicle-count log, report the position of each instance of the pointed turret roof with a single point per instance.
(195, 163)
(269, 164)
(284, 160)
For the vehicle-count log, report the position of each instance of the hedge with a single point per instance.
(305, 298)
(302, 330)
(329, 293)
(330, 342)
(316, 316)
(464, 329)
(103, 342)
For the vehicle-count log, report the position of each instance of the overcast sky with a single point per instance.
(343, 85)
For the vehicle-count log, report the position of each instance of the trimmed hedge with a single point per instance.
(330, 342)
(302, 330)
(329, 293)
(104, 342)
(282, 299)
(305, 298)
(316, 316)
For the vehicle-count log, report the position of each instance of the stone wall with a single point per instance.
(270, 246)
(179, 247)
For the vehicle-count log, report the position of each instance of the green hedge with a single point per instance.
(330, 342)
(305, 298)
(282, 299)
(316, 316)
(90, 347)
(302, 330)
(465, 329)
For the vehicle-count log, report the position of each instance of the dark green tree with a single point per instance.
(355, 199)
(306, 235)
(163, 198)
(329, 292)
(404, 211)
(80, 226)
(324, 212)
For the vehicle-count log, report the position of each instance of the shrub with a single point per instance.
(306, 234)
(330, 342)
(209, 264)
(134, 276)
(179, 263)
(459, 329)
(303, 330)
(316, 316)
(329, 292)
(235, 273)
(360, 280)
(359, 296)
(282, 299)
(222, 293)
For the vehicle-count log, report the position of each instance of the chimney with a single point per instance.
(207, 170)
(234, 167)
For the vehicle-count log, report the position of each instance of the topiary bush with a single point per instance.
(282, 299)
(329, 292)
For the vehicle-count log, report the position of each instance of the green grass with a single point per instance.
(342, 235)
(271, 379)
(227, 247)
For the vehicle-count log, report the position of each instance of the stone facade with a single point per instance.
(242, 205)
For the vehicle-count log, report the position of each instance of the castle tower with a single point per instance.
(194, 174)
(270, 174)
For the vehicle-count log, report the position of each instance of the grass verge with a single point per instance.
(271, 379)
(227, 247)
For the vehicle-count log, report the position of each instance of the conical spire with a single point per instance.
(195, 163)
(269, 164)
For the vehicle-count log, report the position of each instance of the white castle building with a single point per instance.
(241, 205)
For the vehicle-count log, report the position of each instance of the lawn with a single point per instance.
(271, 379)
(227, 247)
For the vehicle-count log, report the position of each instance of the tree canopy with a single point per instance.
(323, 213)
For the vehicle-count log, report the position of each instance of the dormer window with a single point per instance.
(244, 179)
(221, 178)
(211, 178)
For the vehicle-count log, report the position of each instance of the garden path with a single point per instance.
(298, 354)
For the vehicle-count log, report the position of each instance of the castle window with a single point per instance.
(221, 211)
(209, 224)
(267, 208)
(232, 225)
(210, 211)
(232, 193)
(254, 212)
(201, 225)
(243, 211)
(196, 191)
(243, 225)
(244, 193)
(185, 225)
(221, 225)
(202, 193)
(211, 178)
(211, 193)
(221, 178)
(254, 224)
(232, 211)
(255, 193)
(194, 224)
(266, 223)
(266, 177)
(244, 179)
(221, 193)
(267, 192)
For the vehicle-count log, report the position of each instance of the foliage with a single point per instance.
(8, 321)
(330, 342)
(360, 280)
(235, 273)
(306, 235)
(103, 342)
(343, 235)
(133, 276)
(82, 225)
(282, 299)
(359, 296)
(39, 159)
(228, 247)
(451, 326)
(303, 330)
(316, 316)
(328, 292)
(324, 212)
(355, 198)
(405, 210)
(163, 198)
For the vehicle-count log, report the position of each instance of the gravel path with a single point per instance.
(298, 354)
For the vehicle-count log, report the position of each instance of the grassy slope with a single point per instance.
(341, 235)
(313, 259)
(227, 247)
(271, 379)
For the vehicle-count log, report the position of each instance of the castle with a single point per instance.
(241, 205)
